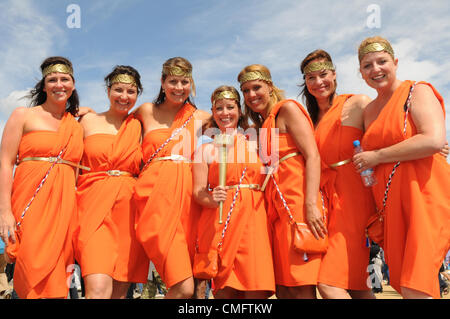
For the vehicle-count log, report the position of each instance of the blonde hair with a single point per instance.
(376, 39)
(276, 96)
(182, 65)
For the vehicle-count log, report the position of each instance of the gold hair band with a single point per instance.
(60, 68)
(123, 78)
(225, 95)
(318, 66)
(376, 47)
(255, 75)
(176, 71)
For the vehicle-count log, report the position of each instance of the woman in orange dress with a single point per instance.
(241, 241)
(339, 121)
(405, 130)
(106, 246)
(38, 205)
(293, 187)
(168, 215)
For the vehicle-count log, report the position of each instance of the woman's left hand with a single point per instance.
(315, 221)
(365, 160)
(445, 150)
(83, 110)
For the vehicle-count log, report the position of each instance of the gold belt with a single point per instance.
(53, 159)
(173, 158)
(272, 168)
(116, 172)
(334, 165)
(250, 186)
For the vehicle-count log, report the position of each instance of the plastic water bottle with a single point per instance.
(367, 176)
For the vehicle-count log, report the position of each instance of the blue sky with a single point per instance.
(219, 38)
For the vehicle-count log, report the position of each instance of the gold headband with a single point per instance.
(255, 75)
(318, 66)
(225, 95)
(60, 68)
(376, 47)
(177, 71)
(123, 78)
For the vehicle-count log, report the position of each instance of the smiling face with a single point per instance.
(226, 114)
(176, 88)
(378, 69)
(122, 97)
(321, 84)
(257, 95)
(59, 87)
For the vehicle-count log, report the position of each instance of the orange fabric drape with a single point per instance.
(245, 261)
(417, 222)
(106, 240)
(167, 212)
(45, 249)
(349, 203)
(290, 267)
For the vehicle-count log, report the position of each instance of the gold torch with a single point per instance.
(223, 140)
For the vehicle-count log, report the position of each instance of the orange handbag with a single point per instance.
(305, 242)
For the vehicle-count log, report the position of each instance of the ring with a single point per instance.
(360, 165)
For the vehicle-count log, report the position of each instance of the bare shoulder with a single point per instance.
(92, 119)
(423, 99)
(18, 117)
(288, 110)
(358, 101)
(422, 90)
(144, 109)
(201, 115)
(20, 112)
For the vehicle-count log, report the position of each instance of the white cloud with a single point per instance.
(14, 100)
(28, 36)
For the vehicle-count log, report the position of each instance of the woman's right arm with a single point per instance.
(200, 180)
(9, 148)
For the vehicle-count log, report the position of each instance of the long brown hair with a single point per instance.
(38, 96)
(310, 100)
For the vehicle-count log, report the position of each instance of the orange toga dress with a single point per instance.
(245, 259)
(350, 203)
(291, 268)
(106, 241)
(44, 250)
(417, 212)
(167, 213)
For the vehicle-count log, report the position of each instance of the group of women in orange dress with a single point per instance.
(272, 204)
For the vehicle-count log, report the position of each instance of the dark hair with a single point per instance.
(310, 100)
(125, 69)
(183, 64)
(38, 96)
(242, 122)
